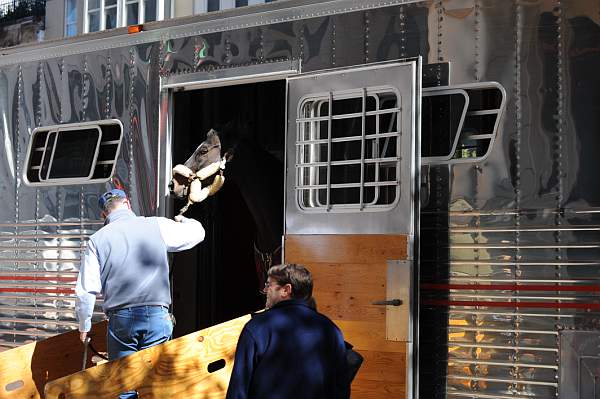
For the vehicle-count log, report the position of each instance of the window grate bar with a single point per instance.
(347, 185)
(105, 162)
(109, 142)
(479, 136)
(349, 162)
(329, 124)
(348, 116)
(375, 150)
(483, 112)
(373, 136)
(362, 149)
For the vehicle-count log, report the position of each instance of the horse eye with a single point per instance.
(203, 150)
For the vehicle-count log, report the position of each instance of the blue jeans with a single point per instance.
(133, 329)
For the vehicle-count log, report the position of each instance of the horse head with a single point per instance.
(207, 153)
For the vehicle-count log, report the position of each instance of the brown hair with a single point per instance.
(295, 275)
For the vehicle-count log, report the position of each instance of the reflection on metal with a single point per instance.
(507, 364)
(509, 381)
(510, 347)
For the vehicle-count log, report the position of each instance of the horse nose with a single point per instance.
(171, 186)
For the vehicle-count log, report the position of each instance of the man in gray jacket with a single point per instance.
(126, 261)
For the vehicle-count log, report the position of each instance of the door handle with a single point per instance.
(391, 302)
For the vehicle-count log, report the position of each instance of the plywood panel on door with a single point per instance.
(349, 273)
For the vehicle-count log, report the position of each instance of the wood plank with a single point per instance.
(177, 368)
(358, 248)
(346, 292)
(25, 370)
(370, 389)
(343, 306)
(365, 335)
(349, 277)
(383, 366)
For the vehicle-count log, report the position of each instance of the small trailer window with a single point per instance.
(73, 154)
(347, 150)
(460, 124)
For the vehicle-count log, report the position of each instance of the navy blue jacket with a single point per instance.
(289, 351)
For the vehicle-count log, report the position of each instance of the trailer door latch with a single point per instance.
(391, 302)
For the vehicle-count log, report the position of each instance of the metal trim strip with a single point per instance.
(509, 381)
(512, 287)
(231, 76)
(531, 365)
(499, 304)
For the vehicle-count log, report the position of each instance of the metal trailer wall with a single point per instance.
(43, 231)
(509, 246)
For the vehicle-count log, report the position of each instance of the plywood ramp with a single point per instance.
(25, 370)
(349, 273)
(175, 369)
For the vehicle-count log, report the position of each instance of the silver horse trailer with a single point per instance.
(434, 169)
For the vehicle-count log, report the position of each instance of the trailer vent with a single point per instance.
(460, 124)
(73, 154)
(348, 150)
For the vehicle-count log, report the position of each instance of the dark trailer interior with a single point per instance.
(217, 280)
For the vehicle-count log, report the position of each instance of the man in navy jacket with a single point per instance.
(290, 350)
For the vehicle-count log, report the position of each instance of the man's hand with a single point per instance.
(179, 218)
(83, 336)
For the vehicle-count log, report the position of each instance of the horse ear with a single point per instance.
(212, 137)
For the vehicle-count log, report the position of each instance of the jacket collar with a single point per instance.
(290, 302)
(118, 215)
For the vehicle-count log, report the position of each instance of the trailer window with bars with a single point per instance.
(73, 154)
(348, 150)
(460, 124)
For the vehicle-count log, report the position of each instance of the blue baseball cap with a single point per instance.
(109, 196)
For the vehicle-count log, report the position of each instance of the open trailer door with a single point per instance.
(352, 207)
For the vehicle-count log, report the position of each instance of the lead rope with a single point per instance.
(87, 345)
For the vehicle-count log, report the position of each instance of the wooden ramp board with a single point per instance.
(24, 371)
(181, 368)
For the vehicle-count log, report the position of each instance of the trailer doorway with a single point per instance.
(217, 280)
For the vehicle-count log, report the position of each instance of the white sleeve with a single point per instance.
(180, 236)
(88, 285)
